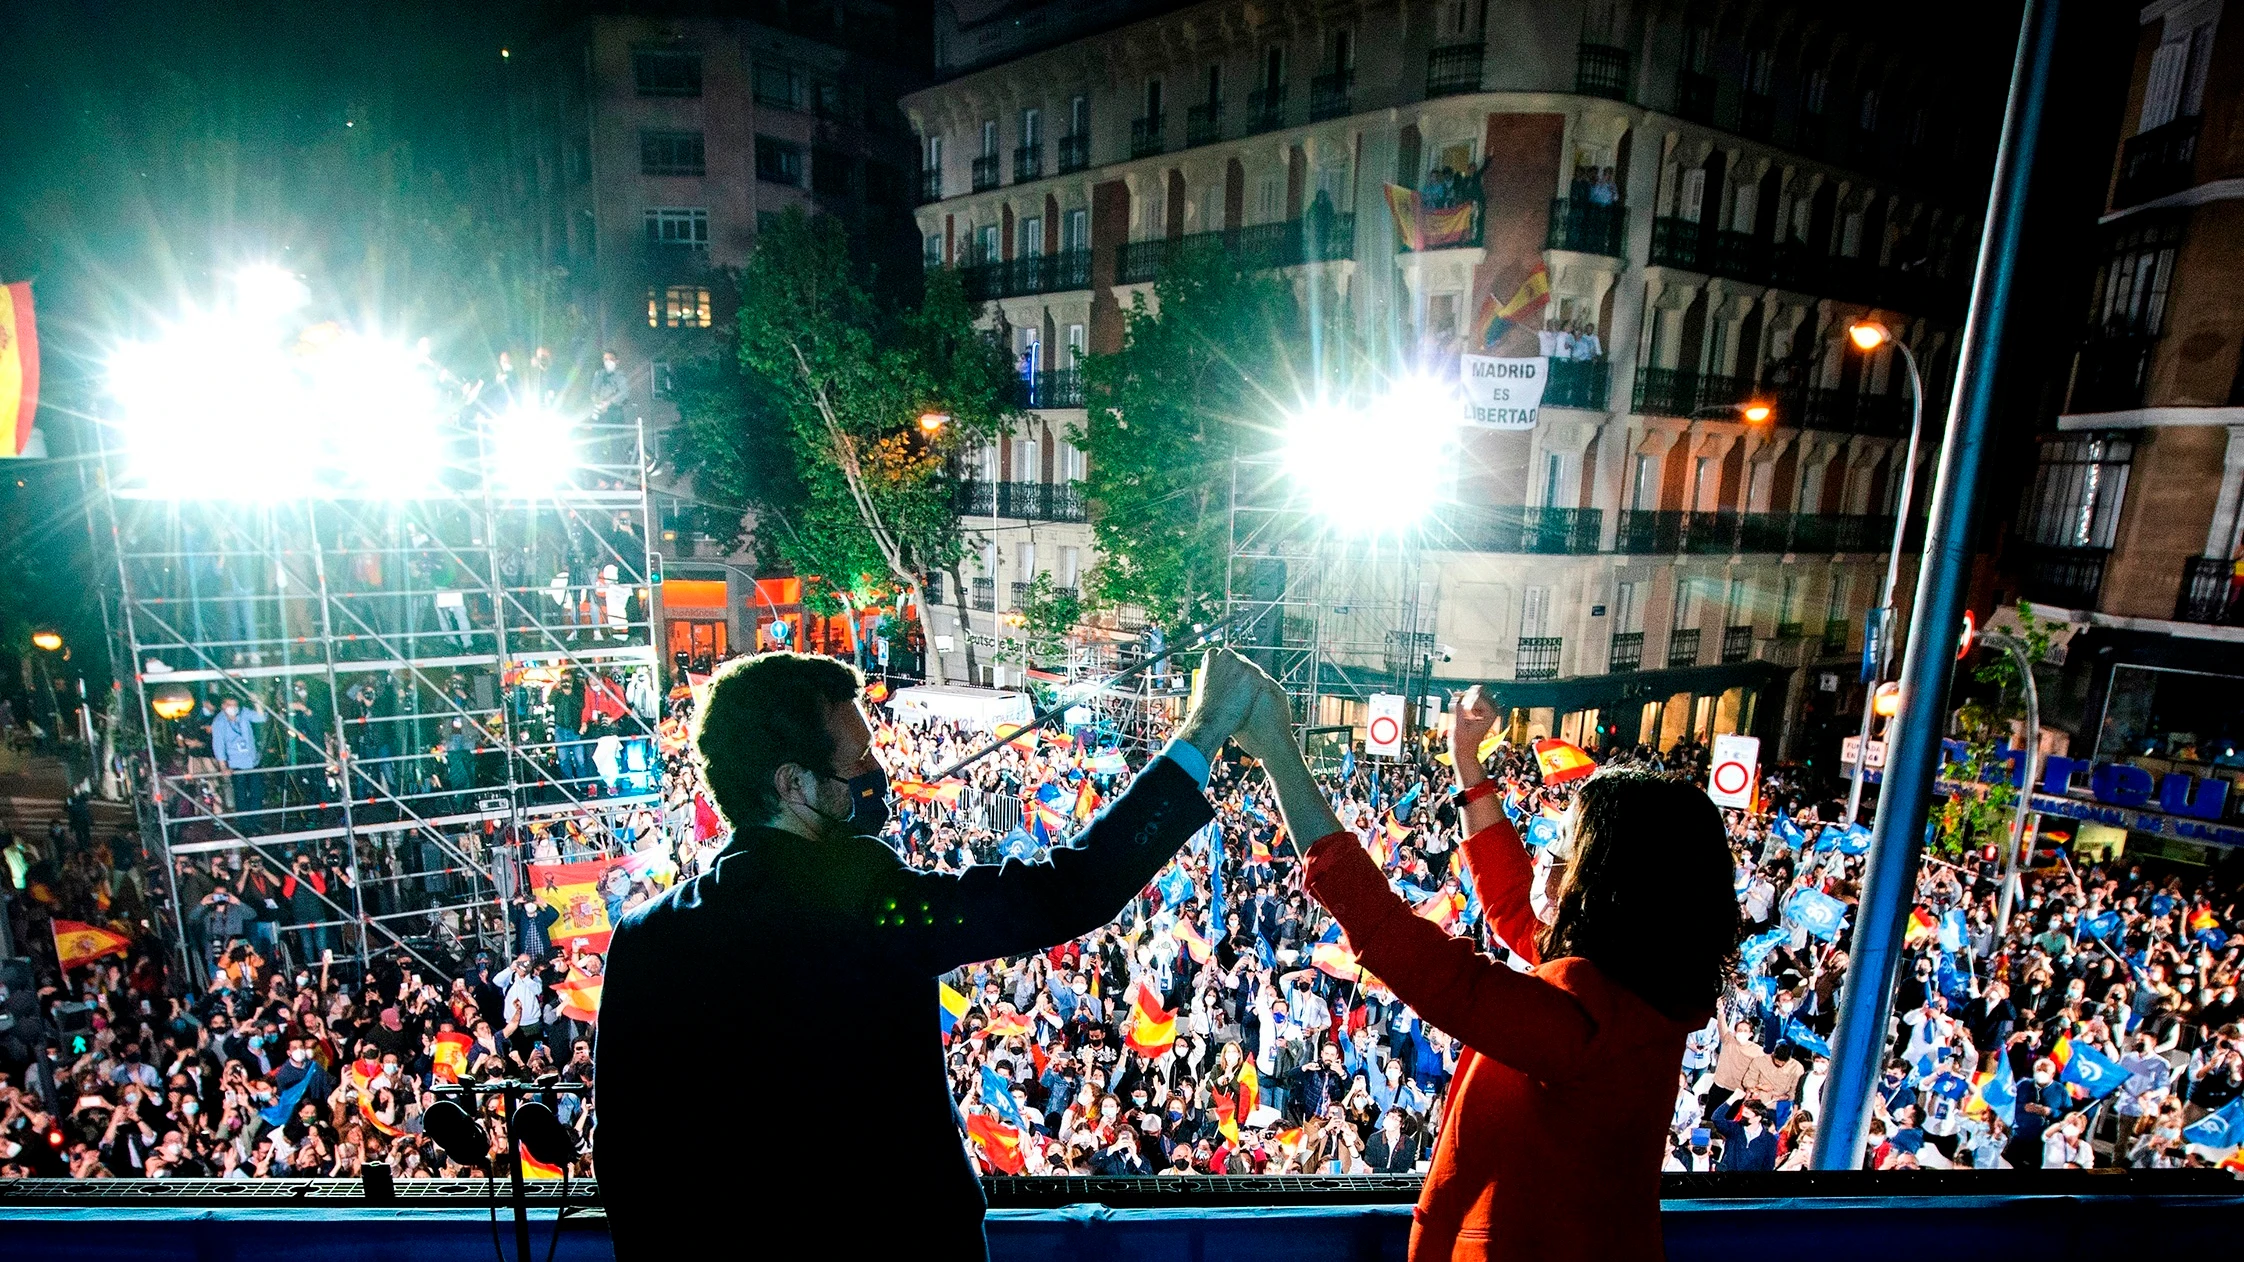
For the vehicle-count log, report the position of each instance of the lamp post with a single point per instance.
(1870, 335)
(2017, 649)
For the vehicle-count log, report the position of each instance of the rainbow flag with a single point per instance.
(78, 943)
(573, 889)
(19, 370)
(1184, 932)
(950, 1006)
(1152, 1029)
(448, 1060)
(1561, 761)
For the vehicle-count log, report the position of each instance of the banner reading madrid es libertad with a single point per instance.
(1503, 393)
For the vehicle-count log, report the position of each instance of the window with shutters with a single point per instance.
(1029, 238)
(1027, 457)
(1534, 613)
(1075, 230)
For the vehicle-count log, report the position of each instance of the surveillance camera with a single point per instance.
(1445, 652)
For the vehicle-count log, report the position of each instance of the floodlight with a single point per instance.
(265, 291)
(533, 450)
(48, 640)
(1887, 701)
(1755, 411)
(1366, 469)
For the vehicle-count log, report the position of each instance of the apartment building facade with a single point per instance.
(2131, 531)
(1714, 192)
(647, 143)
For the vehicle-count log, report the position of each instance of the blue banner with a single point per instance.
(1817, 912)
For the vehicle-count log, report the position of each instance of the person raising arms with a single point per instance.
(1556, 1128)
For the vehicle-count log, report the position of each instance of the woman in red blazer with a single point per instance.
(1552, 1141)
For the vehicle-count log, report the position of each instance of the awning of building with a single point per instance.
(980, 708)
(693, 593)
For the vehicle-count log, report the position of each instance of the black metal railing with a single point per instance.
(1648, 530)
(1835, 635)
(1043, 274)
(1147, 135)
(2109, 373)
(1725, 531)
(1796, 266)
(1627, 653)
(1028, 163)
(1052, 388)
(1601, 70)
(1514, 528)
(1714, 531)
(1792, 631)
(1843, 411)
(985, 172)
(2160, 161)
(1666, 391)
(1281, 244)
(1737, 645)
(1587, 227)
(1332, 94)
(985, 595)
(931, 184)
(1537, 657)
(1203, 124)
(1740, 256)
(1577, 383)
(2212, 593)
(2068, 578)
(1675, 242)
(975, 499)
(1027, 501)
(1266, 109)
(1682, 647)
(1694, 96)
(1454, 69)
(1075, 153)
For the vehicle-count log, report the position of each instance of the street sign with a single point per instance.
(1383, 726)
(1737, 760)
(1852, 744)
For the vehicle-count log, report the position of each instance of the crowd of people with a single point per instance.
(1220, 1025)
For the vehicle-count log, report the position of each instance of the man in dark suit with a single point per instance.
(805, 917)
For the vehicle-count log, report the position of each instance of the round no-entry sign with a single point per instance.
(1384, 731)
(1732, 777)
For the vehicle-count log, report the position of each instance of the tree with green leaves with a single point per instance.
(1983, 801)
(819, 433)
(1204, 372)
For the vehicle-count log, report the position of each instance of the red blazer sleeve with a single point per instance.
(1502, 876)
(1519, 1019)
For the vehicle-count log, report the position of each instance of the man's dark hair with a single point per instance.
(760, 714)
(1648, 897)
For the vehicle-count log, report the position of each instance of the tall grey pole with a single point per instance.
(2017, 650)
(1893, 579)
(1913, 748)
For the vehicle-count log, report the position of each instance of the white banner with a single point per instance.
(1503, 393)
(1383, 725)
(1852, 745)
(1737, 760)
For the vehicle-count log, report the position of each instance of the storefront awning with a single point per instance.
(979, 708)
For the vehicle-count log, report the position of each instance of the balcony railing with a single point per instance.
(1281, 244)
(1026, 501)
(2110, 372)
(1627, 653)
(1649, 530)
(1835, 635)
(1601, 70)
(1577, 383)
(1843, 411)
(931, 185)
(1203, 124)
(1587, 227)
(1792, 631)
(2068, 578)
(1675, 243)
(1666, 392)
(1694, 96)
(1043, 274)
(1740, 256)
(1332, 94)
(1511, 528)
(1266, 109)
(2160, 161)
(1737, 645)
(985, 172)
(985, 595)
(1796, 266)
(1725, 532)
(1537, 657)
(1146, 135)
(2211, 593)
(1682, 648)
(1052, 388)
(1454, 69)
(1075, 153)
(1028, 163)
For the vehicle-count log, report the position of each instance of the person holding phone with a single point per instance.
(1558, 1118)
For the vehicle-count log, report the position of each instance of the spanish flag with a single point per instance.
(2203, 919)
(1489, 744)
(580, 997)
(1006, 1025)
(1442, 910)
(876, 692)
(1402, 205)
(532, 1168)
(1289, 1140)
(1022, 737)
(19, 369)
(1561, 761)
(1250, 1090)
(1258, 850)
(360, 1076)
(1087, 800)
(1227, 1117)
(78, 943)
(1184, 932)
(1922, 928)
(1334, 959)
(950, 1006)
(1000, 1144)
(946, 793)
(1153, 1029)
(1496, 319)
(573, 889)
(448, 1060)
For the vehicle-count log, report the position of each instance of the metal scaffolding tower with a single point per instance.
(429, 683)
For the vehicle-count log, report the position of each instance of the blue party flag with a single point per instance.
(282, 1108)
(1997, 1090)
(1799, 1035)
(1017, 844)
(1817, 912)
(2217, 1135)
(1542, 831)
(1854, 839)
(997, 1097)
(1952, 930)
(2101, 925)
(1175, 886)
(2081, 1066)
(1347, 762)
(1756, 948)
(1789, 833)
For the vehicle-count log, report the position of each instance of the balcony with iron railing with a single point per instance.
(1041, 274)
(2212, 593)
(985, 172)
(1792, 631)
(1675, 243)
(1544, 531)
(1627, 653)
(1266, 109)
(1075, 153)
(1835, 632)
(1050, 388)
(1682, 648)
(1727, 532)
(2157, 163)
(1587, 227)
(1454, 69)
(931, 184)
(1577, 383)
(1666, 392)
(1147, 135)
(2065, 578)
(1601, 70)
(1282, 244)
(985, 595)
(1737, 645)
(1028, 163)
(1203, 124)
(1331, 95)
(1537, 657)
(1739, 256)
(1024, 501)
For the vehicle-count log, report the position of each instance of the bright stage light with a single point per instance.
(264, 291)
(1371, 469)
(533, 450)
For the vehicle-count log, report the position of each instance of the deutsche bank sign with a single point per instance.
(1503, 393)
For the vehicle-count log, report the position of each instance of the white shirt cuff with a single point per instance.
(1187, 756)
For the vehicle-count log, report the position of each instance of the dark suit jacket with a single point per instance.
(770, 1056)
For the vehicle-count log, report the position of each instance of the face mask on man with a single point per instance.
(2042, 1077)
(299, 1054)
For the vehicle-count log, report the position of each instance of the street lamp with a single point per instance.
(1752, 411)
(1869, 335)
(51, 641)
(932, 423)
